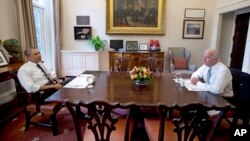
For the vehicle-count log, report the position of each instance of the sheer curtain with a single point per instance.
(58, 37)
(26, 24)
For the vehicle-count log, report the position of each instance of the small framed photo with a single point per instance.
(3, 60)
(193, 29)
(132, 45)
(82, 33)
(82, 20)
(194, 13)
(143, 47)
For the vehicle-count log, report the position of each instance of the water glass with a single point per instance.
(90, 81)
(182, 82)
(178, 76)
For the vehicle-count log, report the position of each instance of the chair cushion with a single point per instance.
(180, 63)
(48, 108)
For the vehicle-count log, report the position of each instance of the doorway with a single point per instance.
(239, 40)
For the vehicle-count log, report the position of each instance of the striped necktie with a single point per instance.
(208, 75)
(51, 82)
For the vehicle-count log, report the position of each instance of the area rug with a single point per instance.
(14, 130)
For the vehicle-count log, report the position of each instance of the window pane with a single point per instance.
(38, 3)
(38, 27)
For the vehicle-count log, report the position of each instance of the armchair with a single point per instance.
(178, 60)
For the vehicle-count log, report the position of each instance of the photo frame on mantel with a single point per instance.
(131, 45)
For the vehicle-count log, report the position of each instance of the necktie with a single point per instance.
(208, 75)
(51, 82)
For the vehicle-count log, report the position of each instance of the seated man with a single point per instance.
(33, 75)
(213, 75)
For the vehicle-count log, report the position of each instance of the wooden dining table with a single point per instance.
(118, 87)
(114, 87)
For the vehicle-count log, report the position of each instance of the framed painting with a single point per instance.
(132, 45)
(135, 17)
(82, 32)
(194, 13)
(3, 60)
(193, 29)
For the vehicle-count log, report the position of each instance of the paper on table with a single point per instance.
(192, 87)
(79, 82)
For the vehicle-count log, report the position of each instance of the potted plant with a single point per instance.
(97, 43)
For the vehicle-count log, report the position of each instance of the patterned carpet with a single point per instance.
(14, 131)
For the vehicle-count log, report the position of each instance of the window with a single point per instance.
(43, 13)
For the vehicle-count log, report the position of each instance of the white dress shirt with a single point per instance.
(32, 78)
(220, 81)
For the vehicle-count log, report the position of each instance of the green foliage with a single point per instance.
(11, 42)
(13, 48)
(97, 43)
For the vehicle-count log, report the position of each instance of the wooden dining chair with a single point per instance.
(102, 122)
(35, 106)
(152, 63)
(191, 124)
(121, 64)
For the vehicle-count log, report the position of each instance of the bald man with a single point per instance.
(218, 80)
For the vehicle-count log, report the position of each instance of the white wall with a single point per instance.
(96, 9)
(227, 30)
(223, 3)
(8, 20)
(8, 24)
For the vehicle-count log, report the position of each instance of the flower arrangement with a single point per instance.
(141, 74)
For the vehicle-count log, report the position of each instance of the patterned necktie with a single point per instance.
(208, 75)
(51, 82)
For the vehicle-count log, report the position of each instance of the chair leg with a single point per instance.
(54, 124)
(27, 120)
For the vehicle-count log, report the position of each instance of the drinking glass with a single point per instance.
(178, 76)
(90, 81)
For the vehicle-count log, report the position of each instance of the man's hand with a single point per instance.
(194, 80)
(51, 86)
(57, 86)
(59, 80)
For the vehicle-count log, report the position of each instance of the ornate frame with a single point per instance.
(156, 27)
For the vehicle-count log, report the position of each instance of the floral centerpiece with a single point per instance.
(141, 75)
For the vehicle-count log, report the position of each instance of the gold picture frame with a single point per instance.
(139, 17)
